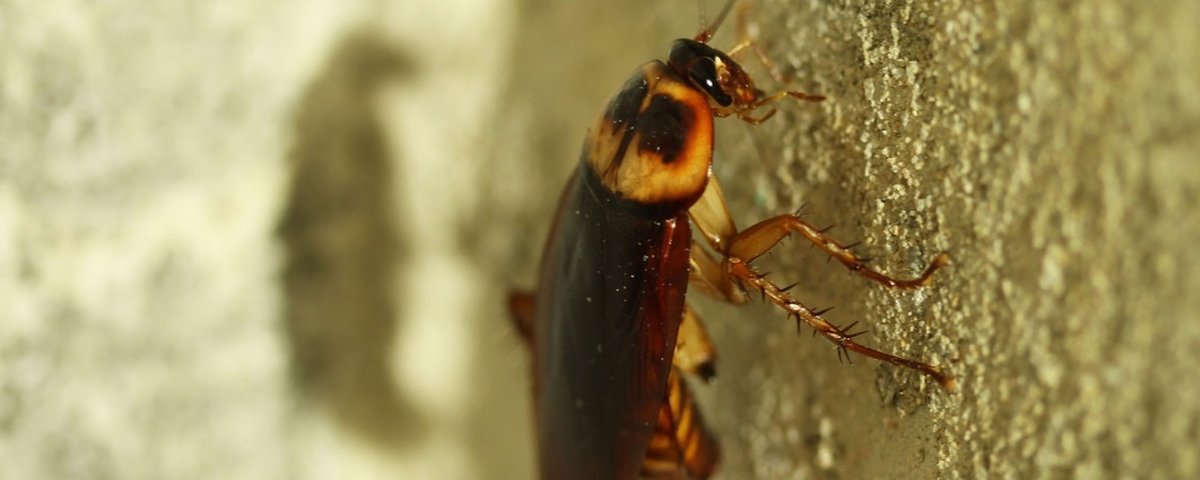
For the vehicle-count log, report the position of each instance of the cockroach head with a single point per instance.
(727, 86)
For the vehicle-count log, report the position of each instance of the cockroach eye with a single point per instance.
(703, 73)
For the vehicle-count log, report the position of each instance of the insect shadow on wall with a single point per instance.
(341, 246)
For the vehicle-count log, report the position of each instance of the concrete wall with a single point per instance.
(271, 239)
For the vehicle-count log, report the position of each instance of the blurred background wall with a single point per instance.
(227, 241)
(272, 239)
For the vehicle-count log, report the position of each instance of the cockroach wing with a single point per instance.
(608, 308)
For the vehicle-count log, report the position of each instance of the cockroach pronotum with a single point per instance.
(609, 328)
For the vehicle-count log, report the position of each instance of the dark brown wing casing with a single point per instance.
(607, 315)
(611, 293)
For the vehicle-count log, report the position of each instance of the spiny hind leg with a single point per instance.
(711, 217)
(841, 336)
(710, 214)
(763, 236)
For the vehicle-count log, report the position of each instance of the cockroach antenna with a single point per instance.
(707, 31)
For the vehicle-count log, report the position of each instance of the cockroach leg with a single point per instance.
(752, 120)
(842, 338)
(706, 275)
(710, 214)
(694, 352)
(521, 307)
(745, 42)
(761, 237)
(735, 278)
(746, 117)
(736, 49)
(808, 97)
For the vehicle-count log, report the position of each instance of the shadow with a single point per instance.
(342, 248)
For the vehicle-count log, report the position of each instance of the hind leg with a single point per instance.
(736, 249)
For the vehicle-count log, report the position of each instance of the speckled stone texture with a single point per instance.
(1051, 147)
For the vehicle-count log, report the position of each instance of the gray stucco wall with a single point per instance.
(271, 240)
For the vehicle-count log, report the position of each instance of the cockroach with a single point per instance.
(609, 327)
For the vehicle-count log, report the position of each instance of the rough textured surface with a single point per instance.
(1049, 146)
(271, 239)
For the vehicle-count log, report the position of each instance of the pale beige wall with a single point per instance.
(271, 240)
(210, 264)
